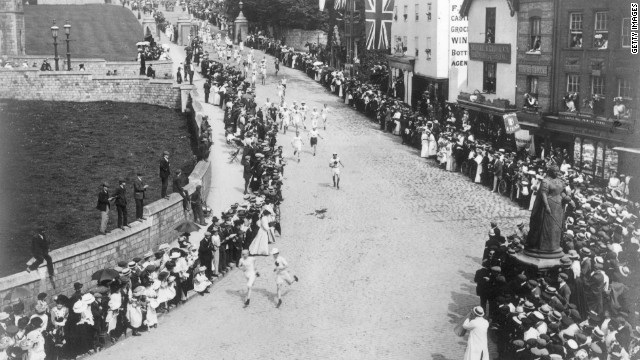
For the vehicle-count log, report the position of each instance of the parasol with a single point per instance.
(17, 294)
(187, 226)
(317, 63)
(105, 275)
(142, 43)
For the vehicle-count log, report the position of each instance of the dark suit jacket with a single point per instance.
(121, 196)
(103, 201)
(138, 188)
(165, 168)
(39, 245)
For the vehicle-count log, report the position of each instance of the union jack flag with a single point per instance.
(379, 15)
(340, 4)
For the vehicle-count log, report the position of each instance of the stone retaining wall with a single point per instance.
(81, 86)
(101, 66)
(77, 262)
(297, 37)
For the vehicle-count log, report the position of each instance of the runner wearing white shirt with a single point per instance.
(282, 274)
(324, 114)
(313, 139)
(248, 266)
(297, 143)
(334, 164)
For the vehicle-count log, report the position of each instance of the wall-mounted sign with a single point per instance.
(536, 70)
(499, 53)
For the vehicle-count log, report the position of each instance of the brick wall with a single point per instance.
(31, 84)
(297, 37)
(77, 262)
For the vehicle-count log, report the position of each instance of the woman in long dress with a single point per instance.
(433, 145)
(478, 160)
(450, 166)
(424, 152)
(260, 243)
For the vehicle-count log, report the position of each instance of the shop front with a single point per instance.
(433, 89)
(592, 147)
(488, 123)
(401, 76)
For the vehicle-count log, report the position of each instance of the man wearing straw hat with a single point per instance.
(477, 326)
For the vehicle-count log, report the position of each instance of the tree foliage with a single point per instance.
(299, 14)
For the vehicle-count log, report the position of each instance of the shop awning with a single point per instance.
(483, 108)
(401, 62)
(627, 150)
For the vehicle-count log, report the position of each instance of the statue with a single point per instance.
(547, 216)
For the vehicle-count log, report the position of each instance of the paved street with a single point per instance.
(385, 274)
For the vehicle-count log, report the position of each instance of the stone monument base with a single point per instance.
(532, 259)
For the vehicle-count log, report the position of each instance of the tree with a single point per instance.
(299, 14)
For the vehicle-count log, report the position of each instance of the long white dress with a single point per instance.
(450, 156)
(260, 243)
(424, 152)
(477, 348)
(432, 145)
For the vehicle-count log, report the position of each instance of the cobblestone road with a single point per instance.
(384, 275)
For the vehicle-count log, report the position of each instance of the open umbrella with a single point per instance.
(142, 43)
(187, 226)
(105, 275)
(17, 294)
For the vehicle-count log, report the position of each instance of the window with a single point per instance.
(597, 85)
(532, 85)
(417, 12)
(625, 89)
(416, 44)
(625, 38)
(601, 32)
(428, 48)
(395, 13)
(575, 30)
(573, 83)
(490, 26)
(489, 78)
(406, 12)
(535, 41)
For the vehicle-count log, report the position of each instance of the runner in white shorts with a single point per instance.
(334, 164)
(324, 114)
(248, 265)
(282, 274)
(297, 143)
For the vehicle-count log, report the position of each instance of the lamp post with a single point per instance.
(54, 33)
(67, 31)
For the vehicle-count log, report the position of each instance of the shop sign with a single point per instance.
(499, 53)
(536, 70)
(511, 124)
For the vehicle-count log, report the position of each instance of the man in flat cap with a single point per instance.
(104, 205)
(121, 204)
(165, 171)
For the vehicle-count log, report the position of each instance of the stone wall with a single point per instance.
(77, 262)
(101, 66)
(12, 33)
(297, 37)
(32, 84)
(70, 2)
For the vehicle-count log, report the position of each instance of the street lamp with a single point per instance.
(67, 31)
(54, 33)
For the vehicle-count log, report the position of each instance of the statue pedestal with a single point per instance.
(541, 264)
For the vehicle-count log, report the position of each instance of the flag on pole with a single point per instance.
(379, 15)
(340, 4)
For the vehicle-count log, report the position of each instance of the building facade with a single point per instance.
(12, 34)
(490, 90)
(595, 79)
(534, 67)
(420, 57)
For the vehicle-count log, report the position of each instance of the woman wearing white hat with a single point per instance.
(477, 346)
(282, 273)
(260, 243)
